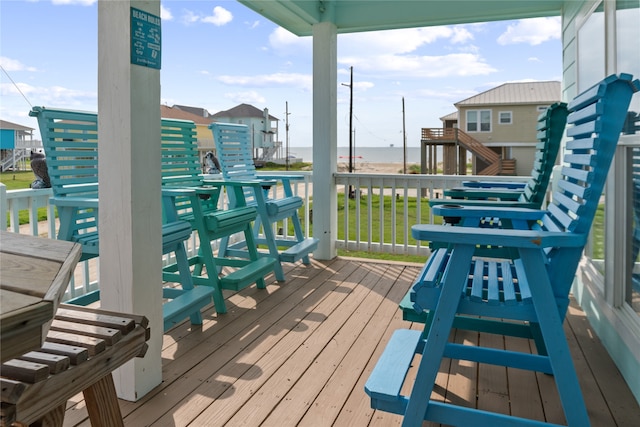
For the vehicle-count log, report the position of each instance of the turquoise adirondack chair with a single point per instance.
(531, 288)
(70, 140)
(550, 129)
(234, 151)
(198, 201)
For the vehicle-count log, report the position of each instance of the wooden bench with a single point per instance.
(234, 149)
(529, 289)
(81, 350)
(198, 201)
(550, 129)
(70, 140)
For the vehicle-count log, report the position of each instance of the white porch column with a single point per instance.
(325, 138)
(129, 177)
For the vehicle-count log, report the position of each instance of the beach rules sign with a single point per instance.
(146, 39)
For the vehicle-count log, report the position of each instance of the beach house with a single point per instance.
(308, 354)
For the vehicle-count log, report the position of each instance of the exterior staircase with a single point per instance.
(440, 136)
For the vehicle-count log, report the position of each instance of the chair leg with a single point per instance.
(297, 228)
(437, 334)
(270, 238)
(253, 253)
(555, 340)
(185, 278)
(205, 255)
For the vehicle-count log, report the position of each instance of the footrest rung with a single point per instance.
(248, 274)
(386, 379)
(189, 302)
(299, 250)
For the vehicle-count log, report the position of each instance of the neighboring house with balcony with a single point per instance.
(16, 143)
(504, 119)
(497, 126)
(262, 125)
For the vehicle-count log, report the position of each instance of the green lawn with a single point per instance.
(21, 180)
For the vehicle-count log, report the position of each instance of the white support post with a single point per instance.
(325, 139)
(129, 177)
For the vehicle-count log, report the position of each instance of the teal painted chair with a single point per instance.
(199, 201)
(531, 288)
(550, 129)
(70, 140)
(234, 151)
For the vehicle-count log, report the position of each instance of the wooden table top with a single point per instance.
(34, 274)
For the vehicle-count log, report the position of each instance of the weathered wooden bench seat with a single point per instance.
(70, 140)
(81, 350)
(528, 290)
(550, 129)
(234, 150)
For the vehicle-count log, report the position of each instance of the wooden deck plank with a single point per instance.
(299, 353)
(300, 397)
(313, 335)
(330, 401)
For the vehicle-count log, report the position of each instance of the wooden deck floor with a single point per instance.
(299, 353)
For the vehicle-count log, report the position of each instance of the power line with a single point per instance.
(14, 83)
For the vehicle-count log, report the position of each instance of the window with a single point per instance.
(479, 121)
(504, 117)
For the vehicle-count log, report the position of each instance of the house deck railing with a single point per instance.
(377, 218)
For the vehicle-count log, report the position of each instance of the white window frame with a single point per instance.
(478, 121)
(500, 113)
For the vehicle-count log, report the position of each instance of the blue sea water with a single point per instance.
(364, 154)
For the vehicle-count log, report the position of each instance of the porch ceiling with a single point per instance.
(298, 16)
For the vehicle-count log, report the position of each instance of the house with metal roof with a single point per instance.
(16, 142)
(262, 125)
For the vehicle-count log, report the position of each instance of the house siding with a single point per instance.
(617, 326)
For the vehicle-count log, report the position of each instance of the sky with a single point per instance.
(218, 54)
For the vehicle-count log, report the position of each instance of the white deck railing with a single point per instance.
(364, 224)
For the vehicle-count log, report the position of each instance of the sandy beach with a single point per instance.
(367, 167)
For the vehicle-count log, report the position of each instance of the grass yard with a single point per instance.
(20, 180)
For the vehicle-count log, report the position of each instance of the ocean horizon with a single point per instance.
(364, 154)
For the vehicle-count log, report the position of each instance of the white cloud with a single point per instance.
(455, 64)
(54, 95)
(14, 65)
(284, 42)
(220, 17)
(165, 14)
(302, 81)
(532, 31)
(400, 41)
(80, 2)
(534, 59)
(249, 97)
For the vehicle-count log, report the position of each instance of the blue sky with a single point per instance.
(218, 54)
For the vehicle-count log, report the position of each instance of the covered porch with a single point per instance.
(299, 353)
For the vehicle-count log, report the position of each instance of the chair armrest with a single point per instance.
(494, 184)
(177, 192)
(486, 193)
(77, 202)
(282, 177)
(488, 204)
(527, 239)
(455, 210)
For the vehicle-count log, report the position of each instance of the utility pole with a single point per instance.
(404, 141)
(286, 128)
(350, 85)
(351, 122)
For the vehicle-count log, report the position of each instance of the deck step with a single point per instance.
(299, 250)
(187, 303)
(386, 379)
(248, 274)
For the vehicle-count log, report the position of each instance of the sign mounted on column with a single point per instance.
(145, 39)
